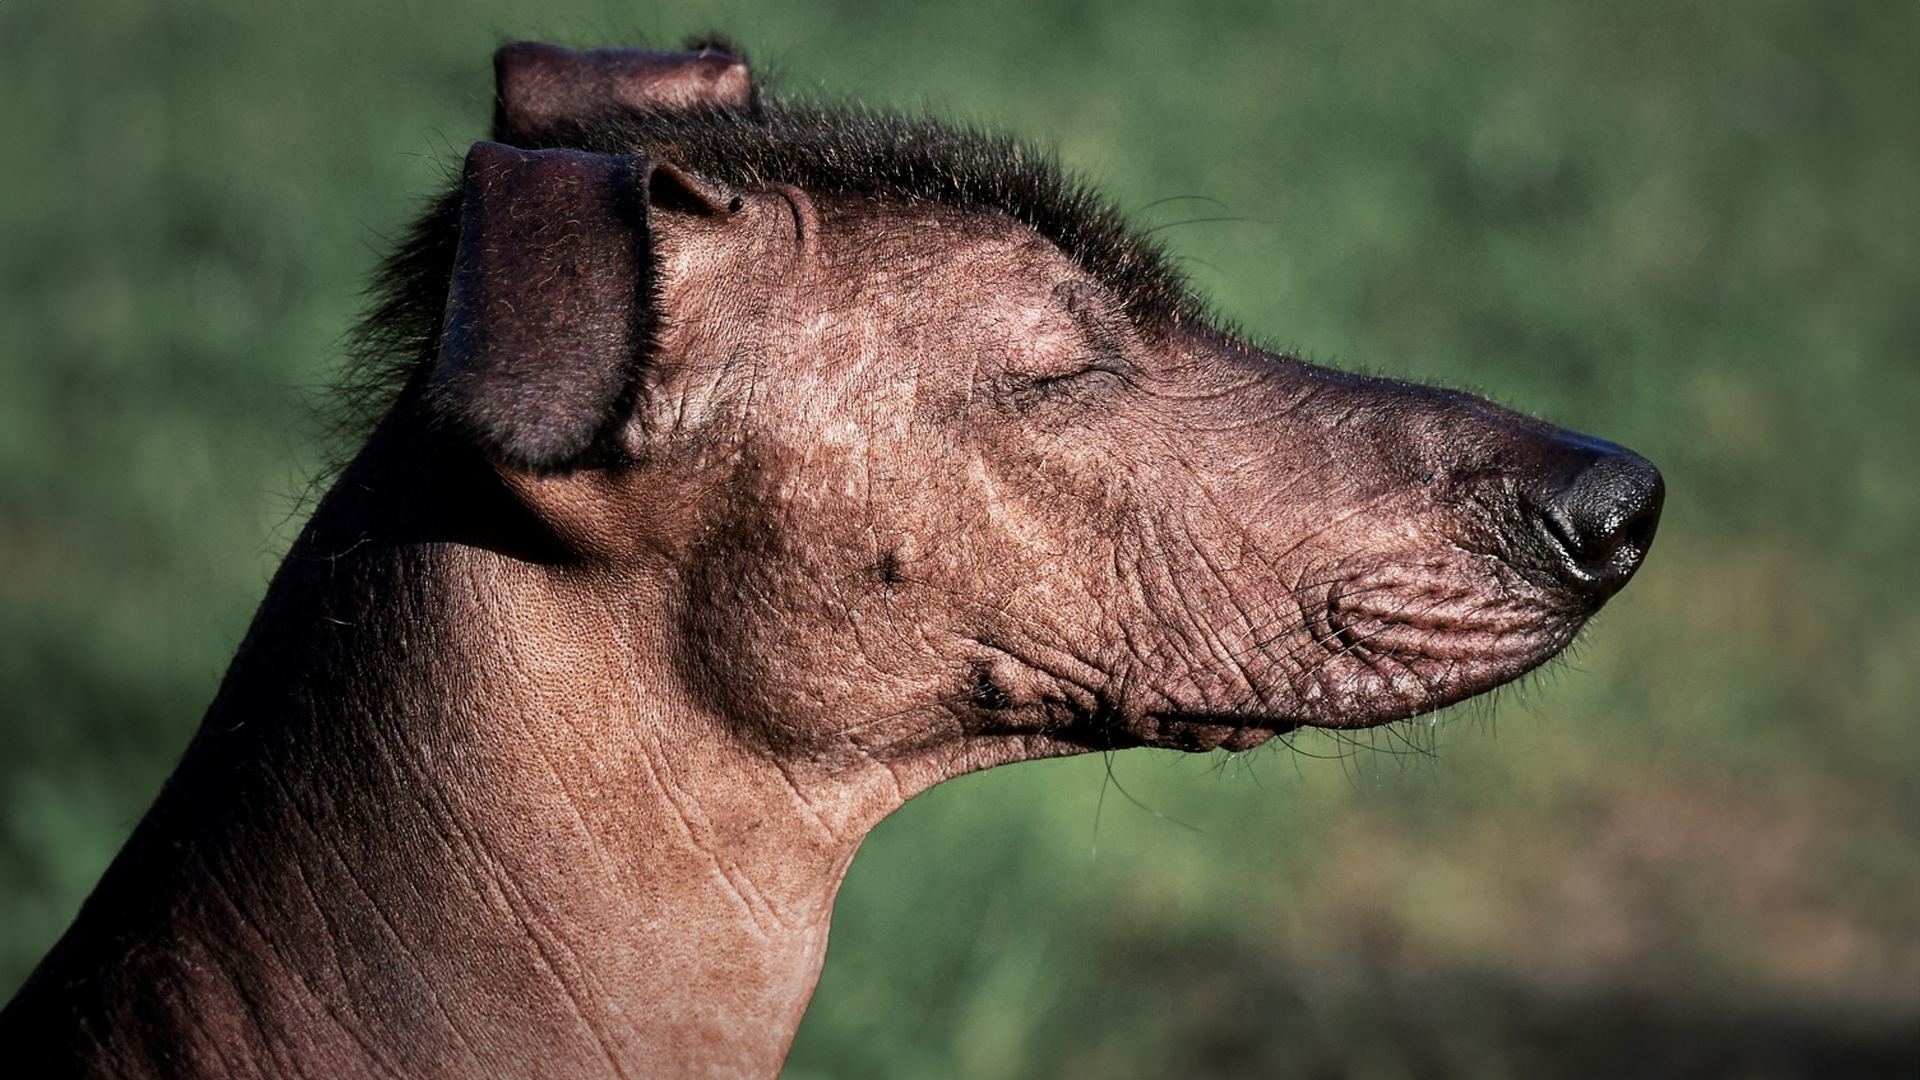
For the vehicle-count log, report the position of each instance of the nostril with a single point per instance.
(1601, 520)
(1564, 532)
(1638, 531)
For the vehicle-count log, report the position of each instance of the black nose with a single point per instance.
(1597, 517)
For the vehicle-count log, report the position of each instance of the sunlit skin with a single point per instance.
(713, 521)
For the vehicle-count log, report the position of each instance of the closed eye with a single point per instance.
(1086, 384)
(1093, 374)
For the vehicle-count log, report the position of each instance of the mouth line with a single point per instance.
(1352, 693)
(1269, 723)
(1193, 731)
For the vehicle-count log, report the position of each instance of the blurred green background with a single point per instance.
(1693, 849)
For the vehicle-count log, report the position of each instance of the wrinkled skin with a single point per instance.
(546, 758)
(1046, 530)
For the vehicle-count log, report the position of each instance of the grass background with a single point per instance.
(1692, 850)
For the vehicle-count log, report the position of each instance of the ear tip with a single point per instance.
(486, 156)
(514, 52)
(517, 57)
(538, 86)
(488, 162)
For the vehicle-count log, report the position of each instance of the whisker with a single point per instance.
(1124, 793)
(1183, 198)
(1206, 221)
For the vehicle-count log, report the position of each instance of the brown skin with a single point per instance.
(555, 772)
(541, 84)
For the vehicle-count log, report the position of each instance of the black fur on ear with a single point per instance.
(551, 308)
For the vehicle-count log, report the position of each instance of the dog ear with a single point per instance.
(540, 87)
(551, 309)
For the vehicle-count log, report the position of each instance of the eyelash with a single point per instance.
(1068, 385)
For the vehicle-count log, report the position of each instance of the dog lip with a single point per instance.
(1450, 629)
(1445, 607)
(1407, 634)
(1395, 636)
(1206, 729)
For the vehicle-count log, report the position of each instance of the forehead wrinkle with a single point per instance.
(906, 161)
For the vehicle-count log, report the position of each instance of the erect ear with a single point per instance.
(538, 86)
(551, 307)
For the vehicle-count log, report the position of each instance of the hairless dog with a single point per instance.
(746, 470)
